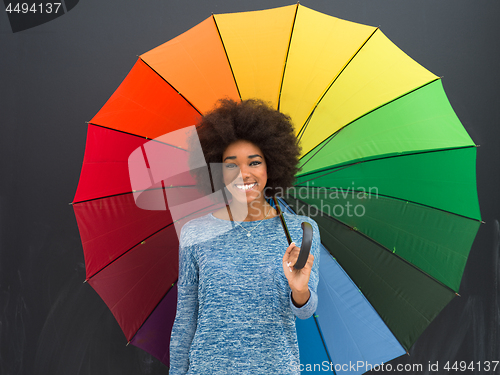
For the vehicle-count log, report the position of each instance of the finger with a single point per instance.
(289, 258)
(310, 261)
(307, 268)
(291, 247)
(294, 255)
(288, 251)
(287, 266)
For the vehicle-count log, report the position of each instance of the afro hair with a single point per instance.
(254, 121)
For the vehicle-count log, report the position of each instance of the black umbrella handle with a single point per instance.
(307, 235)
(305, 247)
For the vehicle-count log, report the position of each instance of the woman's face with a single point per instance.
(244, 171)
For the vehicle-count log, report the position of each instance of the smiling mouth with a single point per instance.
(245, 187)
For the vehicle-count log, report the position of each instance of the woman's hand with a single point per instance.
(297, 279)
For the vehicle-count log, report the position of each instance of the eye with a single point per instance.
(229, 165)
(255, 162)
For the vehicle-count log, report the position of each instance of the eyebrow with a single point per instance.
(249, 156)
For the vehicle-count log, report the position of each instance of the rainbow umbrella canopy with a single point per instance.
(388, 173)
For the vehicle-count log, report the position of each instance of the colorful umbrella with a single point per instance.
(388, 173)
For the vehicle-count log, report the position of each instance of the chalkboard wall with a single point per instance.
(54, 77)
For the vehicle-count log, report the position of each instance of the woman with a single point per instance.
(238, 293)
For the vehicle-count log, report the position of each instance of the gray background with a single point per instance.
(56, 76)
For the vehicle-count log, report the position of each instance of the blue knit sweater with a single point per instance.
(234, 310)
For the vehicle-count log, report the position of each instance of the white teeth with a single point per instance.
(245, 187)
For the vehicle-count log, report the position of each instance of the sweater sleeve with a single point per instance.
(186, 316)
(309, 308)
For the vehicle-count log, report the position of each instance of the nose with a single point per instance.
(245, 172)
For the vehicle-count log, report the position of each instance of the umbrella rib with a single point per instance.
(107, 196)
(227, 56)
(306, 123)
(151, 313)
(168, 83)
(329, 138)
(136, 135)
(317, 151)
(287, 53)
(304, 126)
(131, 192)
(322, 339)
(386, 249)
(137, 281)
(125, 252)
(143, 240)
(395, 198)
(340, 167)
